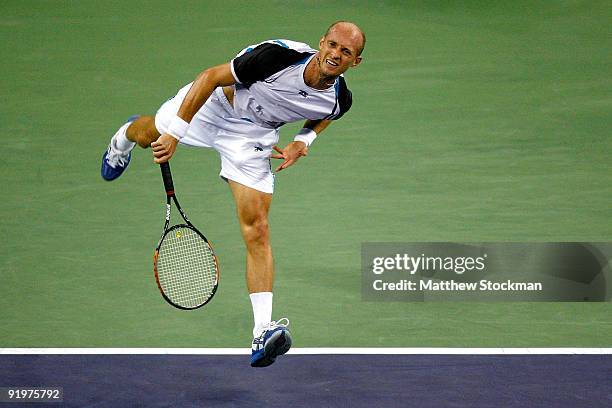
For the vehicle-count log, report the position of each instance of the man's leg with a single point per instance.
(271, 339)
(143, 131)
(252, 207)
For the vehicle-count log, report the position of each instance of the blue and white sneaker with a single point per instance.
(274, 341)
(115, 161)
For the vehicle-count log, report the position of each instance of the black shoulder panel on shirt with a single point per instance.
(345, 98)
(264, 60)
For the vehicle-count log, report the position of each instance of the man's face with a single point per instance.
(338, 51)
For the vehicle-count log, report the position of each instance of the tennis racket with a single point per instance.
(185, 265)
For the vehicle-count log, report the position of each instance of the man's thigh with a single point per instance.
(252, 205)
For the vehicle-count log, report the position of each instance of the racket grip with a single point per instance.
(167, 176)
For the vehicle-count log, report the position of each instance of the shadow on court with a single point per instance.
(317, 380)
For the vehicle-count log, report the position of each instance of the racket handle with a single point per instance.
(167, 176)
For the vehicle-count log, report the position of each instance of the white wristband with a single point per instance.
(178, 128)
(306, 135)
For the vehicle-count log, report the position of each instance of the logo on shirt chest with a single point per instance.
(303, 93)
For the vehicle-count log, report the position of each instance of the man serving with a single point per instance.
(237, 109)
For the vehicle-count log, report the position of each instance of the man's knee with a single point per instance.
(143, 131)
(256, 232)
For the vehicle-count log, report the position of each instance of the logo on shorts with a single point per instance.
(258, 148)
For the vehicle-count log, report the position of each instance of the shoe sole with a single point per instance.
(278, 344)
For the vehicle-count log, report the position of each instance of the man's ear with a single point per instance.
(321, 42)
(357, 61)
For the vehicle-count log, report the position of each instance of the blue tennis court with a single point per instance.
(318, 380)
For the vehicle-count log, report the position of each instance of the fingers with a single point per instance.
(162, 150)
(285, 164)
(157, 147)
(162, 155)
(277, 156)
(162, 159)
(290, 154)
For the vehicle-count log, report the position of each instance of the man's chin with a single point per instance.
(333, 73)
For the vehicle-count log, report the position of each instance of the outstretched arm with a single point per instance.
(200, 91)
(298, 148)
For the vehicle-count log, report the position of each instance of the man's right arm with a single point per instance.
(200, 91)
(203, 87)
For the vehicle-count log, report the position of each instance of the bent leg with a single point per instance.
(143, 131)
(252, 208)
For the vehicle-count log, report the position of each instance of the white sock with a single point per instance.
(120, 140)
(262, 310)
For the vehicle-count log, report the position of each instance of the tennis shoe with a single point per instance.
(274, 341)
(115, 161)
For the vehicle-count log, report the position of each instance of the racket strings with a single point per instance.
(186, 267)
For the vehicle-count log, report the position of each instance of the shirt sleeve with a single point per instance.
(264, 60)
(344, 98)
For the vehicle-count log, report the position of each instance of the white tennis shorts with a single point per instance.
(244, 147)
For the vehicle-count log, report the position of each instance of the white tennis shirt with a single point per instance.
(270, 88)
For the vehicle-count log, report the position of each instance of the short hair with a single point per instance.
(363, 37)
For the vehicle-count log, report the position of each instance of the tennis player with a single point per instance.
(237, 109)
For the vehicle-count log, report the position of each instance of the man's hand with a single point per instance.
(290, 154)
(163, 148)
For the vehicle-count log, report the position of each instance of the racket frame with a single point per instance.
(171, 197)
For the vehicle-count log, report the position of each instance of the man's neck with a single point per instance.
(313, 76)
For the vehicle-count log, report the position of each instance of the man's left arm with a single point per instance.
(299, 147)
